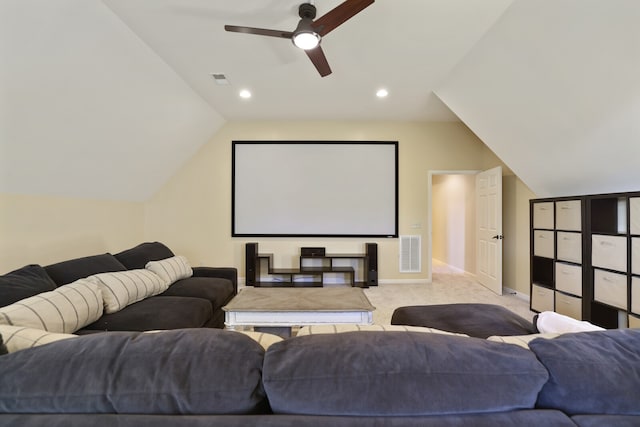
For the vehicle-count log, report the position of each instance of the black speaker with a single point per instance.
(372, 264)
(251, 263)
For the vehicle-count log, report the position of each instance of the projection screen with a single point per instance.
(314, 189)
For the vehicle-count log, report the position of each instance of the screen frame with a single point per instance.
(236, 143)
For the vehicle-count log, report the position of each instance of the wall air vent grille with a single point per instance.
(410, 254)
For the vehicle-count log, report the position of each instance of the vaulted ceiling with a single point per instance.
(109, 98)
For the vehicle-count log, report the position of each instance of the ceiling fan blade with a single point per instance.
(259, 31)
(339, 15)
(319, 60)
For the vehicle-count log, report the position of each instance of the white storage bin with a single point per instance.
(569, 278)
(569, 305)
(634, 321)
(543, 215)
(610, 288)
(543, 243)
(541, 298)
(570, 247)
(569, 215)
(635, 295)
(609, 252)
(634, 210)
(635, 255)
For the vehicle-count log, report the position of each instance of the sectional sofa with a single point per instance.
(211, 377)
(143, 288)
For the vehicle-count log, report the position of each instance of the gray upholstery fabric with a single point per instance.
(591, 372)
(607, 420)
(157, 313)
(69, 271)
(508, 419)
(140, 255)
(23, 283)
(196, 371)
(217, 291)
(475, 320)
(400, 373)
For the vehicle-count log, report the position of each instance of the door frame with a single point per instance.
(430, 214)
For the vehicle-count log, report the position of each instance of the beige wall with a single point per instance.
(515, 228)
(192, 213)
(453, 220)
(46, 229)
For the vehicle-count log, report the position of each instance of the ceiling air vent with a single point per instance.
(220, 78)
(410, 254)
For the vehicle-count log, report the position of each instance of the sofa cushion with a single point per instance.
(476, 320)
(139, 256)
(65, 309)
(591, 372)
(195, 371)
(157, 313)
(19, 338)
(24, 283)
(606, 420)
(171, 269)
(69, 271)
(216, 291)
(400, 374)
(123, 288)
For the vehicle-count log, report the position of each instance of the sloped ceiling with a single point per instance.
(107, 99)
(554, 89)
(88, 110)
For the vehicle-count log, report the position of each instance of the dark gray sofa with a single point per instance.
(192, 302)
(209, 377)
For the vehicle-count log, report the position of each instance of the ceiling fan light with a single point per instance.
(306, 40)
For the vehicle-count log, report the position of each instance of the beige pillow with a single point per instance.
(65, 309)
(335, 329)
(19, 337)
(122, 288)
(521, 340)
(171, 269)
(262, 338)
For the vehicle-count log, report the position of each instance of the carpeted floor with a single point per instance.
(447, 287)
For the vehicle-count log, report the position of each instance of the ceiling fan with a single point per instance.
(309, 33)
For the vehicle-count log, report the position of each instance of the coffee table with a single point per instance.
(277, 310)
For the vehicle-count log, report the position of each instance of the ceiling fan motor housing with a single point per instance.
(307, 10)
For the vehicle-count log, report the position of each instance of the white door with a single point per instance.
(489, 229)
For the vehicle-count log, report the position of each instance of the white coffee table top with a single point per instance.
(286, 307)
(300, 299)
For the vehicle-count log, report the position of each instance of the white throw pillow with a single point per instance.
(171, 269)
(122, 288)
(65, 309)
(20, 338)
(550, 322)
(336, 329)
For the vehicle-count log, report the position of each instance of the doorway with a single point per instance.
(463, 207)
(453, 216)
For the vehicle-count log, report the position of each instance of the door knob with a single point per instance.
(498, 237)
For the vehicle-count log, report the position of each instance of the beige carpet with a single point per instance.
(447, 287)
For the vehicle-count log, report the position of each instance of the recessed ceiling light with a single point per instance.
(244, 93)
(382, 93)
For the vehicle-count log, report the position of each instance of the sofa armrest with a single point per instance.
(230, 273)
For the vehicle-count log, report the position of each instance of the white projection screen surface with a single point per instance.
(314, 189)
